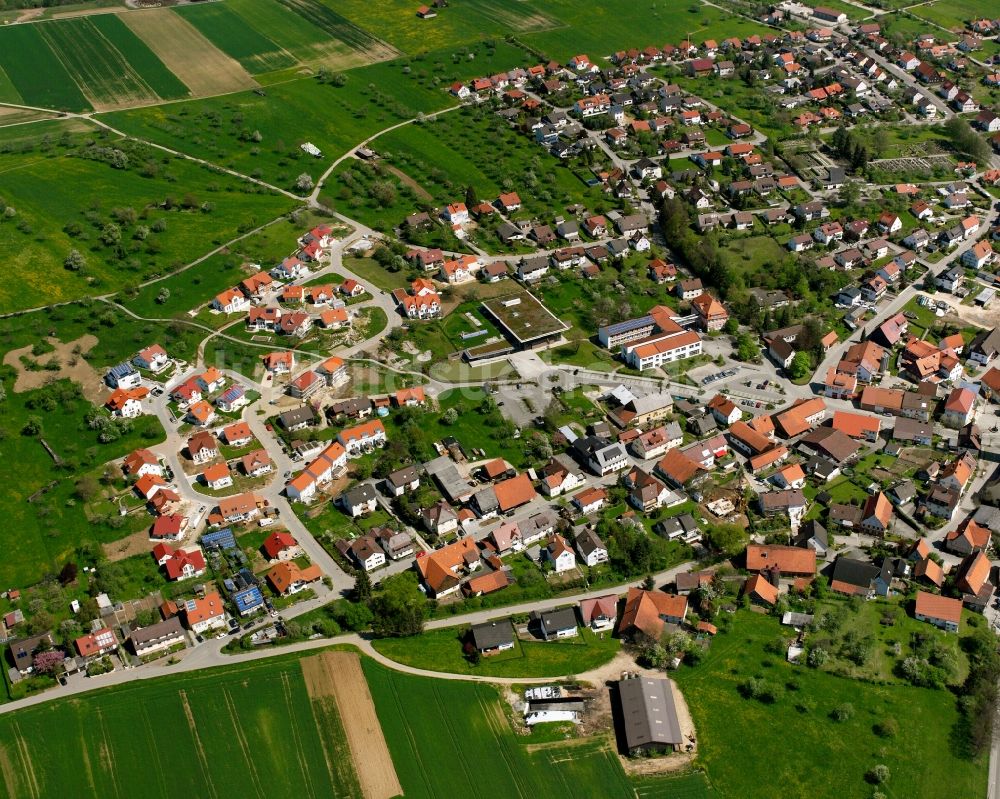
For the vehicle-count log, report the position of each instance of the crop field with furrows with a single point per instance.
(138, 55)
(341, 29)
(228, 31)
(103, 74)
(35, 72)
(235, 731)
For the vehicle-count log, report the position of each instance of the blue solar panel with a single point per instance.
(223, 539)
(629, 324)
(248, 599)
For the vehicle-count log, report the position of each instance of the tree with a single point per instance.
(732, 326)
(398, 606)
(163, 295)
(362, 587)
(800, 365)
(68, 574)
(86, 487)
(746, 348)
(450, 416)
(726, 539)
(75, 261)
(471, 199)
(304, 182)
(48, 662)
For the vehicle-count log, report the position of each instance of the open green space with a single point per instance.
(131, 212)
(802, 739)
(954, 14)
(228, 31)
(441, 650)
(35, 72)
(221, 732)
(396, 21)
(109, 63)
(601, 29)
(427, 721)
(55, 523)
(333, 117)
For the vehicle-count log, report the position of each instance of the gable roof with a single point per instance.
(791, 560)
(644, 611)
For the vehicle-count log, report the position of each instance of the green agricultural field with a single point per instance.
(38, 76)
(600, 29)
(101, 72)
(66, 202)
(8, 92)
(140, 58)
(228, 31)
(288, 30)
(741, 761)
(234, 731)
(428, 722)
(340, 29)
(954, 14)
(441, 650)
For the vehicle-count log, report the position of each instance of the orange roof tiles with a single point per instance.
(644, 611)
(790, 560)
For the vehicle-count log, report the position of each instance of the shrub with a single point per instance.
(842, 712)
(876, 775)
(887, 728)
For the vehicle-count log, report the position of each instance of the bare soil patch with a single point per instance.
(135, 544)
(339, 675)
(72, 366)
(174, 39)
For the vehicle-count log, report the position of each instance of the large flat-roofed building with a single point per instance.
(649, 715)
(613, 336)
(524, 320)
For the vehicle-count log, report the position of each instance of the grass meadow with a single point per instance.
(953, 14)
(234, 731)
(65, 202)
(749, 747)
(334, 118)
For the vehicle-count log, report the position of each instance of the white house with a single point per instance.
(559, 553)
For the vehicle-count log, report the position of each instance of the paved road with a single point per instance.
(210, 655)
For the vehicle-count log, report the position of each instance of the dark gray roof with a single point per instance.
(404, 476)
(359, 494)
(812, 530)
(855, 572)
(552, 621)
(155, 632)
(649, 715)
(492, 634)
(296, 416)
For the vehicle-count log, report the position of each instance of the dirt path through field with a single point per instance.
(174, 40)
(419, 190)
(72, 366)
(339, 675)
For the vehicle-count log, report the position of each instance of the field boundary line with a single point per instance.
(238, 734)
(198, 747)
(501, 745)
(156, 750)
(107, 753)
(286, 689)
(29, 769)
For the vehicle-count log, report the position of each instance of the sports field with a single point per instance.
(251, 730)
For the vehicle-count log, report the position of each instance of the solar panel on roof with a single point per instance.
(629, 324)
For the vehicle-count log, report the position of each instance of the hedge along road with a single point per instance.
(210, 655)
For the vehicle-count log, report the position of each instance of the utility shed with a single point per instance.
(649, 715)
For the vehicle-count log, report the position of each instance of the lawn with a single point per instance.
(441, 650)
(752, 253)
(38, 76)
(228, 731)
(802, 742)
(129, 224)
